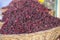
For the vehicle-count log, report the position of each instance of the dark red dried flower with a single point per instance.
(27, 17)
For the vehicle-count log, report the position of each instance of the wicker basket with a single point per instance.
(51, 34)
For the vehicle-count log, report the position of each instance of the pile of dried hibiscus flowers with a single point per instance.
(27, 16)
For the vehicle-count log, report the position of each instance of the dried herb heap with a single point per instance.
(27, 17)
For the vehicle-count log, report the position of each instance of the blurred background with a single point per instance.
(55, 6)
(51, 4)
